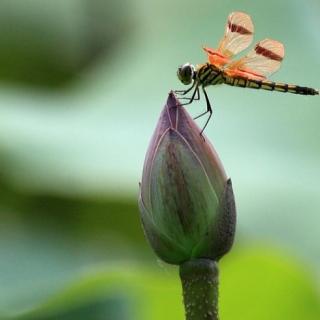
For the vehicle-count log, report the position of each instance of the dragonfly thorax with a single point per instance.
(186, 73)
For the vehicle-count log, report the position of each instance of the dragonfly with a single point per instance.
(250, 71)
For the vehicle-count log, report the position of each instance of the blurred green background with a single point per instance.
(82, 83)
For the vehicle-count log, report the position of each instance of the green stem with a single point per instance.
(200, 289)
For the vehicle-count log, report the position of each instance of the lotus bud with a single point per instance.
(186, 200)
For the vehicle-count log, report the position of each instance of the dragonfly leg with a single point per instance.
(193, 97)
(209, 109)
(184, 92)
(196, 97)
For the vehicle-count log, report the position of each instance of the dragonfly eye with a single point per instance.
(185, 73)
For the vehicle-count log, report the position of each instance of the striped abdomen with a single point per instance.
(269, 85)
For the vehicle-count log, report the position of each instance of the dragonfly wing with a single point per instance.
(260, 62)
(238, 34)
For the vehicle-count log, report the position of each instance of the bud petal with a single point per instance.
(164, 247)
(186, 204)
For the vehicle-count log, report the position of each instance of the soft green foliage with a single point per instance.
(265, 284)
(256, 283)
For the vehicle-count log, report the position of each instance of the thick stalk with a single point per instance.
(200, 289)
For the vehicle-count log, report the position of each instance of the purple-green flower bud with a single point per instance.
(186, 201)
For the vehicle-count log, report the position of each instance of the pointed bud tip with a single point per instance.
(173, 107)
(172, 94)
(172, 101)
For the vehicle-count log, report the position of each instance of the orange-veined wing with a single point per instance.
(263, 60)
(237, 37)
(238, 34)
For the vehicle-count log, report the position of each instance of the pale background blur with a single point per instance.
(82, 83)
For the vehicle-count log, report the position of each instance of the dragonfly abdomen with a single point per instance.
(269, 85)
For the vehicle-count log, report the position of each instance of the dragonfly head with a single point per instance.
(186, 73)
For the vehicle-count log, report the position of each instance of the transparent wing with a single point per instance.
(238, 34)
(263, 60)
